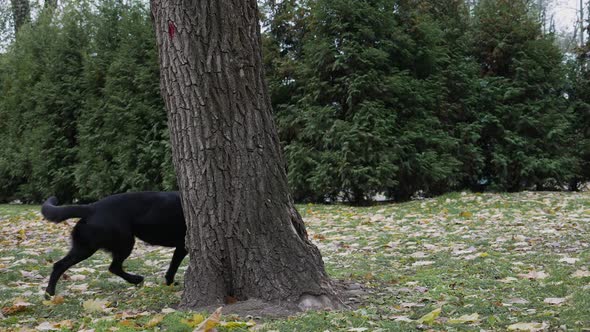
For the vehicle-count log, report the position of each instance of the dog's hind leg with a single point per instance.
(177, 258)
(120, 255)
(77, 254)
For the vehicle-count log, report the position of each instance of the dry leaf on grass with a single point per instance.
(211, 322)
(157, 319)
(527, 327)
(534, 275)
(18, 305)
(56, 300)
(581, 274)
(430, 317)
(474, 317)
(555, 300)
(93, 306)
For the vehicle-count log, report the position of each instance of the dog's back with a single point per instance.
(154, 217)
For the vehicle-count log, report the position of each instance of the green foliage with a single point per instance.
(123, 136)
(578, 92)
(402, 96)
(371, 96)
(80, 106)
(365, 117)
(523, 116)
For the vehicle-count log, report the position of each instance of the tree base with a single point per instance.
(257, 308)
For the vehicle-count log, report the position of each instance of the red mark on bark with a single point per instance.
(171, 29)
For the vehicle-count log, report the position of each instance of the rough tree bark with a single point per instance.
(245, 238)
(21, 12)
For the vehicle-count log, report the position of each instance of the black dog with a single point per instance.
(112, 224)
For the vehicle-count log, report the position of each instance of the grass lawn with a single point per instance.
(460, 262)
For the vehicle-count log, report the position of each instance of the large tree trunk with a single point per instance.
(245, 238)
(21, 12)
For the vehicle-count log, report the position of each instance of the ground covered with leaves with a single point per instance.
(460, 262)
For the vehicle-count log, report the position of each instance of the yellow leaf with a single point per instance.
(209, 324)
(157, 319)
(56, 300)
(465, 319)
(531, 327)
(95, 305)
(127, 323)
(235, 325)
(65, 324)
(466, 214)
(430, 317)
(195, 320)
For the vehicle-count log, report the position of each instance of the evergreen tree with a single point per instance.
(81, 111)
(124, 140)
(578, 93)
(42, 93)
(366, 120)
(522, 110)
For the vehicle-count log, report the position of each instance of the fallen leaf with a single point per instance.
(128, 323)
(581, 274)
(569, 260)
(507, 280)
(555, 300)
(18, 305)
(195, 320)
(534, 275)
(47, 326)
(56, 300)
(93, 306)
(466, 214)
(530, 327)
(81, 288)
(77, 277)
(236, 324)
(157, 319)
(67, 324)
(209, 324)
(430, 317)
(515, 300)
(474, 317)
(401, 318)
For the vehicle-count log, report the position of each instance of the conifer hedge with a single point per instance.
(391, 97)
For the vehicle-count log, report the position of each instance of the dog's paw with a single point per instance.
(136, 280)
(172, 283)
(48, 296)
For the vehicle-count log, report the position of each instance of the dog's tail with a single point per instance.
(54, 213)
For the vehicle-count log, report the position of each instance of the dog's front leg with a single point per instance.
(177, 258)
